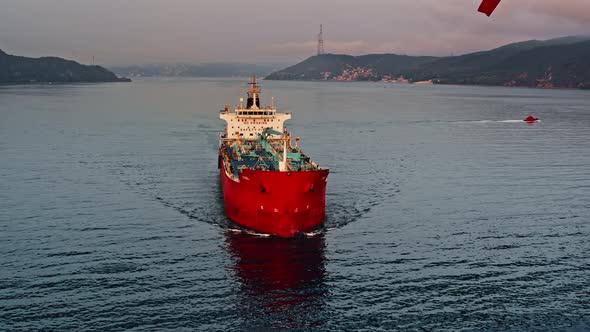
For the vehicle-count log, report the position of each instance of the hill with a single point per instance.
(23, 70)
(562, 62)
(350, 68)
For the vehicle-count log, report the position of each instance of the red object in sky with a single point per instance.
(488, 6)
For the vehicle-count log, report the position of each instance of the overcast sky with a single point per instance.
(278, 31)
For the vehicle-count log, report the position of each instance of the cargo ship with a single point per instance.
(269, 185)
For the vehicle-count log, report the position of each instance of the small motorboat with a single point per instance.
(530, 119)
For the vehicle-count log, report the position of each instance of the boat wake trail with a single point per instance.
(514, 121)
(195, 198)
(194, 191)
(354, 194)
(488, 121)
(207, 214)
(193, 202)
(339, 214)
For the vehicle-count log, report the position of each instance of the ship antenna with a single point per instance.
(254, 96)
(321, 41)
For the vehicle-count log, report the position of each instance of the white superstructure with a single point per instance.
(250, 121)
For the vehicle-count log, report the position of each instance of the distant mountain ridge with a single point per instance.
(561, 63)
(339, 67)
(201, 70)
(23, 70)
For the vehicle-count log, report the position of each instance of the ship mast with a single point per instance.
(253, 93)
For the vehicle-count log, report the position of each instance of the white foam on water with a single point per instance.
(314, 233)
(264, 235)
(249, 232)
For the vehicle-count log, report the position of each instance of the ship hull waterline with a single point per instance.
(283, 204)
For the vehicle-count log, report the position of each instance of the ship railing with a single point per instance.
(263, 108)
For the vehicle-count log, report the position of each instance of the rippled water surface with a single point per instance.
(444, 214)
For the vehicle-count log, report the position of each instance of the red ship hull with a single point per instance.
(278, 203)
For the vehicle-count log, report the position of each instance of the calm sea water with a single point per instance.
(443, 213)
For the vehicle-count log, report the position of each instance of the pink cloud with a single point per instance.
(577, 11)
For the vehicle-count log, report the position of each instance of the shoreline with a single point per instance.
(449, 84)
(122, 80)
